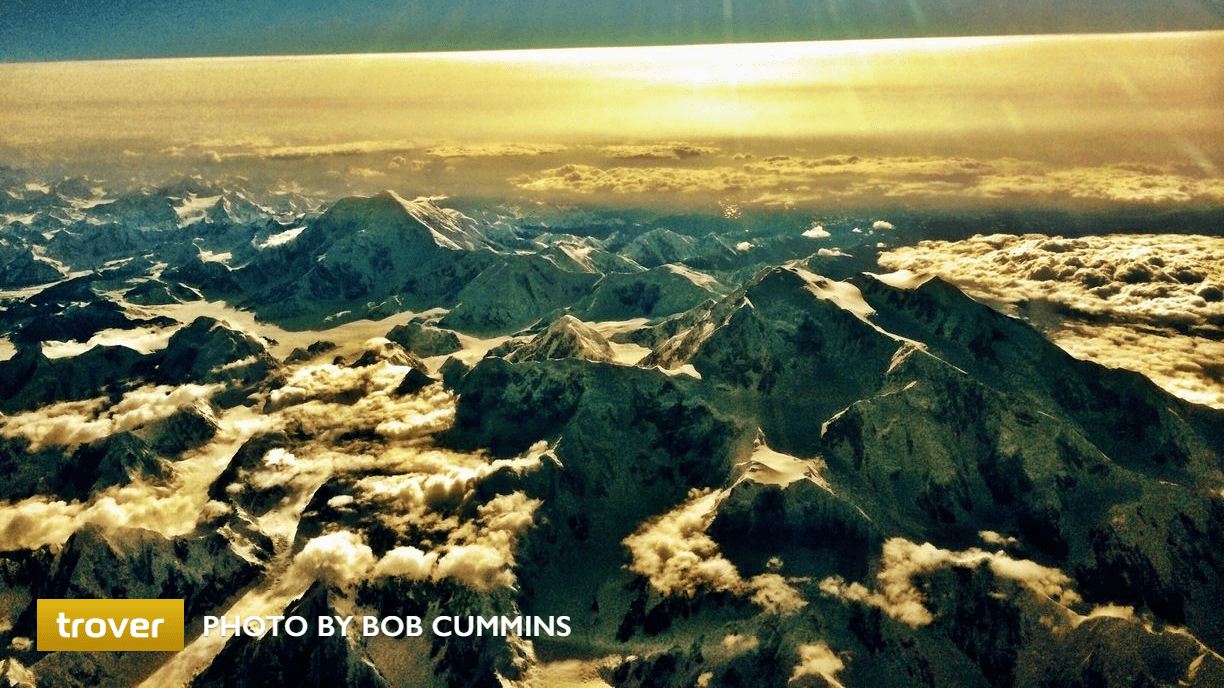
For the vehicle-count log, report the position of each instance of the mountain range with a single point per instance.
(731, 453)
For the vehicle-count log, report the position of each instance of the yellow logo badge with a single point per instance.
(110, 625)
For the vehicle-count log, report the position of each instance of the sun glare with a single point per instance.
(886, 89)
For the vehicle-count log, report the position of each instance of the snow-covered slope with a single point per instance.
(808, 481)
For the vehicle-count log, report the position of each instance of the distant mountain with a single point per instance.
(814, 476)
(567, 337)
(204, 352)
(664, 290)
(19, 267)
(425, 340)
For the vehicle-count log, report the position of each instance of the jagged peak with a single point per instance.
(566, 337)
(447, 228)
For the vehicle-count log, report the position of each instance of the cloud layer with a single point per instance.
(785, 179)
(1150, 303)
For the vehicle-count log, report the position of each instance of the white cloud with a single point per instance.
(478, 566)
(339, 558)
(737, 643)
(992, 538)
(817, 231)
(896, 595)
(409, 562)
(790, 180)
(817, 659)
(143, 339)
(1114, 611)
(313, 399)
(480, 552)
(585, 179)
(494, 150)
(658, 151)
(263, 148)
(171, 508)
(1130, 301)
(677, 556)
(774, 594)
(78, 422)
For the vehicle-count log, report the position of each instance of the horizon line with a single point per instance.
(963, 39)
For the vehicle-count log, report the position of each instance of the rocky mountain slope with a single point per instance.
(725, 467)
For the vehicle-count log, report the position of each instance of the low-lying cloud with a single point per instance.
(1151, 303)
(676, 150)
(676, 555)
(170, 507)
(787, 180)
(817, 659)
(896, 595)
(79, 422)
(494, 150)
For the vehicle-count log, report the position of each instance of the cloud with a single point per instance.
(329, 399)
(266, 150)
(400, 161)
(143, 339)
(79, 422)
(480, 567)
(339, 558)
(415, 489)
(896, 595)
(678, 558)
(1113, 611)
(790, 180)
(175, 507)
(495, 150)
(816, 659)
(171, 508)
(408, 562)
(586, 179)
(992, 538)
(480, 552)
(774, 594)
(882, 225)
(817, 231)
(1152, 303)
(737, 643)
(405, 483)
(658, 151)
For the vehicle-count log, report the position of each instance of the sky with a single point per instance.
(50, 30)
(1104, 92)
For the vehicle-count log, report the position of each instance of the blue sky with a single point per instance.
(88, 29)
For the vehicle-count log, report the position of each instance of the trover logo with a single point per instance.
(110, 625)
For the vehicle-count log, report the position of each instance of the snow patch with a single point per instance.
(281, 238)
(193, 207)
(845, 295)
(902, 279)
(146, 340)
(769, 467)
